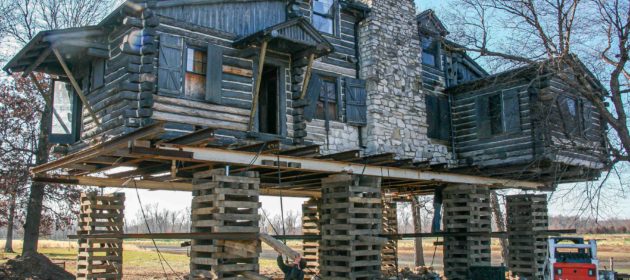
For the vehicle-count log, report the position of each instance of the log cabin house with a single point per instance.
(299, 91)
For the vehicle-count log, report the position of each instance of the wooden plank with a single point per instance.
(278, 246)
(237, 71)
(307, 76)
(261, 66)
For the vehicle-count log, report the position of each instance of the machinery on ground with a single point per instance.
(571, 258)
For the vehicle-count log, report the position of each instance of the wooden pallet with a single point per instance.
(351, 219)
(526, 221)
(311, 225)
(224, 204)
(100, 258)
(466, 210)
(389, 252)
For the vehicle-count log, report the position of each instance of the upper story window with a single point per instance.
(571, 116)
(438, 117)
(196, 69)
(498, 113)
(328, 100)
(324, 15)
(430, 51)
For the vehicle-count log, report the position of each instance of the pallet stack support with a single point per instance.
(527, 222)
(389, 253)
(311, 226)
(100, 258)
(466, 210)
(351, 223)
(224, 204)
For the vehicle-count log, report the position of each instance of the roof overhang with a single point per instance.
(296, 36)
(73, 43)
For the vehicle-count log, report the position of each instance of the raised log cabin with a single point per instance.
(181, 93)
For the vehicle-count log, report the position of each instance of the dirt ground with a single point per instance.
(141, 260)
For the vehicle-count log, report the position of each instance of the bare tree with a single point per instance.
(21, 20)
(552, 33)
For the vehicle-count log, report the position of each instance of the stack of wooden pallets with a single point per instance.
(224, 204)
(527, 221)
(100, 258)
(311, 226)
(389, 253)
(351, 221)
(466, 210)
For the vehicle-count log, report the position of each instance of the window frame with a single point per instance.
(327, 78)
(434, 50)
(76, 123)
(334, 14)
(186, 72)
(578, 119)
(502, 117)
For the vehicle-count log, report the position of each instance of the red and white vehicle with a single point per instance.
(571, 258)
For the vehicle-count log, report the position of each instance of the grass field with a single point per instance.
(140, 262)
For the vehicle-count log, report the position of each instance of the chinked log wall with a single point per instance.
(123, 102)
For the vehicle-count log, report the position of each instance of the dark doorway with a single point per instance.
(268, 112)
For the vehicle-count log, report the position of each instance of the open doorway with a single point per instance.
(269, 100)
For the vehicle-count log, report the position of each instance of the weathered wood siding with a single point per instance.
(238, 17)
(585, 149)
(502, 149)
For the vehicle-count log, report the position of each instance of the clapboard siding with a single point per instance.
(239, 18)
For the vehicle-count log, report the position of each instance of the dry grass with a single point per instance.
(141, 262)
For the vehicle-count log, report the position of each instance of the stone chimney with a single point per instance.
(391, 65)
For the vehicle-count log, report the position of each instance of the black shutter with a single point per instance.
(433, 115)
(312, 96)
(484, 123)
(214, 74)
(512, 111)
(98, 73)
(170, 64)
(587, 117)
(445, 119)
(356, 102)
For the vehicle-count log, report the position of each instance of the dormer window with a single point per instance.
(430, 51)
(324, 16)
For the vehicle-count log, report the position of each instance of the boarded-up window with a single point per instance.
(438, 117)
(328, 100)
(356, 98)
(98, 73)
(170, 65)
(196, 67)
(496, 114)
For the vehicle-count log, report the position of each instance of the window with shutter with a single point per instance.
(328, 99)
(438, 117)
(445, 119)
(512, 111)
(170, 64)
(98, 73)
(196, 70)
(356, 102)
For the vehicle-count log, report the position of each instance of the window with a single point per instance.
(430, 49)
(327, 102)
(572, 118)
(438, 117)
(66, 119)
(196, 68)
(324, 15)
(498, 113)
(98, 73)
(269, 101)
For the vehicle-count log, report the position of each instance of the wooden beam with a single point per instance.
(37, 62)
(278, 246)
(261, 65)
(307, 76)
(48, 101)
(155, 185)
(76, 86)
(335, 167)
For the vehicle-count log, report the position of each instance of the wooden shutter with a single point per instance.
(356, 102)
(170, 64)
(484, 123)
(214, 74)
(98, 73)
(444, 128)
(312, 96)
(433, 115)
(512, 111)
